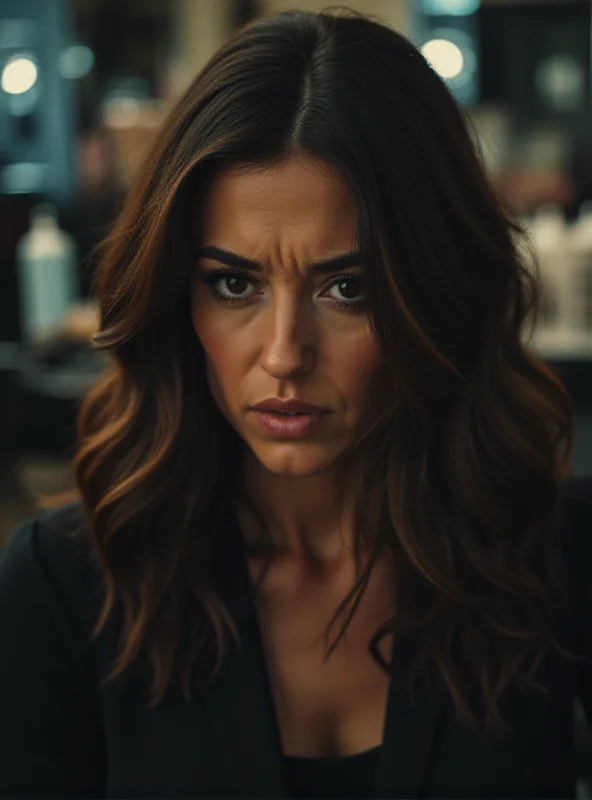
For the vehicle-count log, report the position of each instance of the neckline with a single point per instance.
(373, 751)
(257, 765)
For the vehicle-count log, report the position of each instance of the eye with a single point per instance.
(228, 285)
(348, 290)
(233, 285)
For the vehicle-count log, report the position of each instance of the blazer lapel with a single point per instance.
(244, 719)
(409, 731)
(239, 699)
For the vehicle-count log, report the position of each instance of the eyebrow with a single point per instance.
(344, 261)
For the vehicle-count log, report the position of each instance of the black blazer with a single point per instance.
(63, 733)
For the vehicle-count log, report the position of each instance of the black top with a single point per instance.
(349, 776)
(65, 733)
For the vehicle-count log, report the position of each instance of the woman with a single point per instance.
(326, 542)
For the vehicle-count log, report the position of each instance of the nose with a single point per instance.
(289, 346)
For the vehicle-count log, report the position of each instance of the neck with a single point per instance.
(305, 515)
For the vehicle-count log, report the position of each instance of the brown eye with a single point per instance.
(348, 288)
(229, 286)
(236, 284)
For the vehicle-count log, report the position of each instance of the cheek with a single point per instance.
(365, 385)
(360, 368)
(210, 335)
(220, 347)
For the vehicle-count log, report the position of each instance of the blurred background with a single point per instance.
(84, 85)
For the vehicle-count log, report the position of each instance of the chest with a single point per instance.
(224, 742)
(325, 704)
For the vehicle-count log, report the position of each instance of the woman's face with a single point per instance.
(283, 329)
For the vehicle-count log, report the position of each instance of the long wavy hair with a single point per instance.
(462, 477)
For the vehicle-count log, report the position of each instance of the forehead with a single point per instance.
(301, 195)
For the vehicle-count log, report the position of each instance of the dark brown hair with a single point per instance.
(462, 476)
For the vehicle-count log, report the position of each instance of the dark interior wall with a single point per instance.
(516, 38)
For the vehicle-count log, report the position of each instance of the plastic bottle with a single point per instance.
(47, 275)
(548, 234)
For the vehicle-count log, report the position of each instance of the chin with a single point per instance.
(294, 459)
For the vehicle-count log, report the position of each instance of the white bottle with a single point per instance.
(47, 275)
(548, 235)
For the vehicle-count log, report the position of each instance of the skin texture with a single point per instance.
(287, 337)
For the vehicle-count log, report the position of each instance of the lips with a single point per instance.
(291, 420)
(288, 408)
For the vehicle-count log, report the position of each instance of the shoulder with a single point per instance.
(47, 561)
(577, 493)
(57, 538)
(576, 516)
(575, 520)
